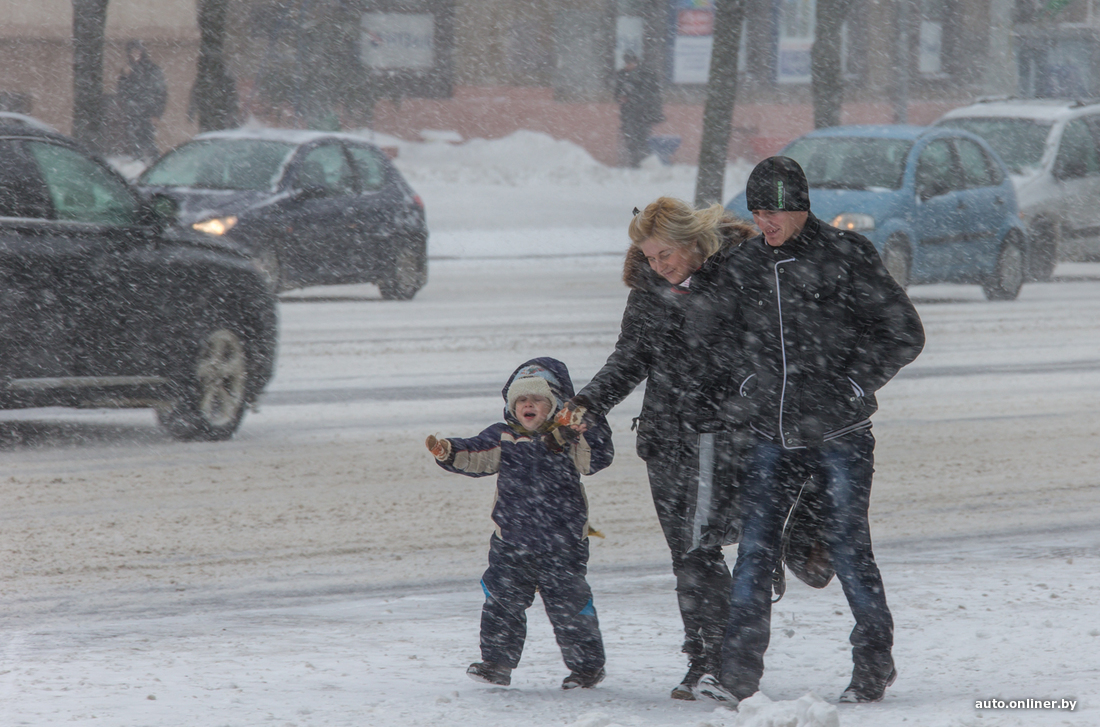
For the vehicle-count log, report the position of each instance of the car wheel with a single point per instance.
(1043, 248)
(408, 274)
(1008, 276)
(213, 390)
(897, 260)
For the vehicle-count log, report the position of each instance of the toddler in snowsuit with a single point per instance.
(541, 517)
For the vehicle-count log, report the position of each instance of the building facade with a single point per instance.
(485, 68)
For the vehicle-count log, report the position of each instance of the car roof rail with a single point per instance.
(1078, 103)
(995, 99)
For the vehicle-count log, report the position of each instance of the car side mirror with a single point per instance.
(159, 211)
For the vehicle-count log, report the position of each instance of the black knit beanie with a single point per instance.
(778, 183)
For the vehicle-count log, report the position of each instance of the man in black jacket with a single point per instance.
(142, 96)
(818, 326)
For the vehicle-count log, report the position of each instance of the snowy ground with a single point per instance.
(320, 570)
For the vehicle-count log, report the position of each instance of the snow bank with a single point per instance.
(522, 158)
(806, 711)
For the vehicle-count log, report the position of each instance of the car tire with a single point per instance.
(898, 260)
(407, 274)
(1008, 276)
(1043, 250)
(213, 390)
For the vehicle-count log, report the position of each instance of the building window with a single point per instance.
(930, 42)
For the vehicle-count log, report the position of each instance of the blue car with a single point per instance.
(937, 203)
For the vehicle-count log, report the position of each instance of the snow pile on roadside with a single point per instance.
(520, 159)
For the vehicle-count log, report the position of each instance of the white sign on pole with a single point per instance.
(398, 41)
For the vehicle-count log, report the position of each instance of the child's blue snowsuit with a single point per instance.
(541, 538)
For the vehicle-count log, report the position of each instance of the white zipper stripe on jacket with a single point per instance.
(782, 351)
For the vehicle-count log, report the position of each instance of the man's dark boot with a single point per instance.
(583, 679)
(483, 671)
(695, 672)
(870, 679)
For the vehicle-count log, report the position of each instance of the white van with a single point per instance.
(1052, 150)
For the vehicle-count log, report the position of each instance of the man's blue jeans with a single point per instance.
(844, 468)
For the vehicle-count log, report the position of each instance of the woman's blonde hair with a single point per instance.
(677, 222)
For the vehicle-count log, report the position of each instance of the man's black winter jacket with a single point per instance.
(819, 325)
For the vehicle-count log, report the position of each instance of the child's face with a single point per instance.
(532, 410)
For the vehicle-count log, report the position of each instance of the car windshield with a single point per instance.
(239, 164)
(1019, 142)
(837, 162)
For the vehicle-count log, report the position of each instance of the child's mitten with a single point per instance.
(440, 448)
(570, 415)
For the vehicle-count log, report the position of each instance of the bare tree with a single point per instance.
(718, 110)
(827, 81)
(89, 28)
(214, 95)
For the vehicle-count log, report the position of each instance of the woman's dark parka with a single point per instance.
(662, 341)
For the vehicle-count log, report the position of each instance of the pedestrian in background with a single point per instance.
(638, 94)
(142, 96)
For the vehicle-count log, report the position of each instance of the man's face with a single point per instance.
(532, 411)
(778, 227)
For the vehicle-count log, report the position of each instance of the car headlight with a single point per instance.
(854, 221)
(215, 225)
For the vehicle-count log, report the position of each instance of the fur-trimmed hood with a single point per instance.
(637, 275)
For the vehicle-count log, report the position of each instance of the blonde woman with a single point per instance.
(664, 342)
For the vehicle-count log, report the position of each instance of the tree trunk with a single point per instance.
(718, 111)
(827, 80)
(89, 23)
(214, 96)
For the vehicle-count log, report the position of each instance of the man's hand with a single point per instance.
(558, 439)
(440, 448)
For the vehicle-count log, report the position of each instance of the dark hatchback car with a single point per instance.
(315, 208)
(106, 303)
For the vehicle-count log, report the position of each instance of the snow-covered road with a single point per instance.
(320, 570)
(314, 566)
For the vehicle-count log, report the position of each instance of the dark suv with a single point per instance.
(105, 302)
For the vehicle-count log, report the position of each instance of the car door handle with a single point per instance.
(1000, 200)
(961, 205)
